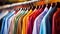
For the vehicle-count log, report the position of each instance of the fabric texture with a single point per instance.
(43, 25)
(1, 20)
(31, 19)
(16, 21)
(36, 28)
(17, 18)
(11, 30)
(3, 24)
(6, 22)
(56, 22)
(4, 29)
(48, 20)
(19, 27)
(24, 26)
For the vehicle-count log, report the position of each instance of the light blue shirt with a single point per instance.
(6, 23)
(3, 23)
(42, 23)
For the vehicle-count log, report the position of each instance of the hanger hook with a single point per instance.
(51, 4)
(56, 4)
(39, 6)
(46, 5)
(42, 6)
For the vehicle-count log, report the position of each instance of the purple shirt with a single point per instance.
(37, 22)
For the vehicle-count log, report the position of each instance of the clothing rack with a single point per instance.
(16, 4)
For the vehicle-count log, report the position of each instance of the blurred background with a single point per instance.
(4, 2)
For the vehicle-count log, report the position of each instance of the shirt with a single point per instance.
(48, 19)
(43, 24)
(2, 15)
(19, 27)
(10, 20)
(7, 23)
(31, 19)
(38, 20)
(3, 23)
(24, 26)
(11, 30)
(56, 22)
(16, 20)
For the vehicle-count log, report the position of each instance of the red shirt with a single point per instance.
(31, 19)
(56, 22)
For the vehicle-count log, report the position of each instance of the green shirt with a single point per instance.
(23, 12)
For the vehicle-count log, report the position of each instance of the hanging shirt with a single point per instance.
(10, 20)
(56, 22)
(43, 24)
(19, 27)
(3, 23)
(2, 15)
(48, 19)
(4, 29)
(24, 26)
(16, 20)
(38, 20)
(31, 19)
(11, 30)
(7, 23)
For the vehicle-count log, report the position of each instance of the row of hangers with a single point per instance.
(32, 6)
(39, 4)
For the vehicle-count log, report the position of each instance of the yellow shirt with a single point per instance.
(24, 27)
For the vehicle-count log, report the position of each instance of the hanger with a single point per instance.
(36, 7)
(47, 4)
(58, 4)
(32, 6)
(42, 4)
(39, 6)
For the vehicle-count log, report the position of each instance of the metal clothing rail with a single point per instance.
(16, 4)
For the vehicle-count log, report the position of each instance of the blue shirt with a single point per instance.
(3, 23)
(6, 24)
(48, 19)
(47, 23)
(42, 24)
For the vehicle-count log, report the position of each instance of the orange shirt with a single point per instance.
(24, 27)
